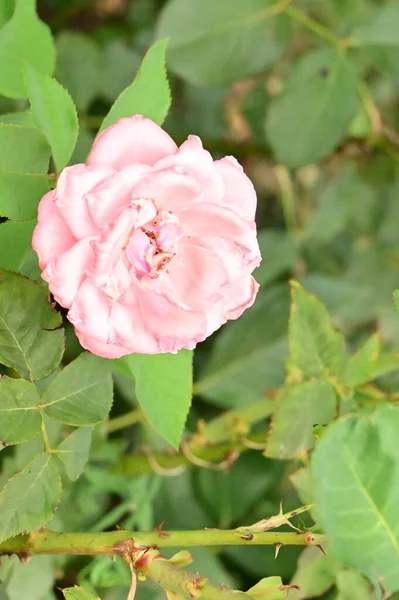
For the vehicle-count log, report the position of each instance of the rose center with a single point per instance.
(153, 241)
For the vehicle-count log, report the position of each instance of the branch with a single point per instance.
(165, 464)
(107, 543)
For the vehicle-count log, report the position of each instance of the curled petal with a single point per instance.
(171, 190)
(52, 235)
(174, 328)
(66, 273)
(239, 193)
(192, 160)
(90, 314)
(212, 221)
(134, 140)
(239, 296)
(108, 197)
(72, 186)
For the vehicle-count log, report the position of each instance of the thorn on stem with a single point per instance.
(278, 548)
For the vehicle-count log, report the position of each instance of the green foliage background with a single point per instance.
(305, 95)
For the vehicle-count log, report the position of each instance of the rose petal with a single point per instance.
(72, 186)
(52, 235)
(172, 191)
(239, 296)
(111, 194)
(90, 313)
(131, 332)
(100, 348)
(173, 327)
(192, 160)
(193, 277)
(66, 273)
(239, 193)
(134, 140)
(213, 221)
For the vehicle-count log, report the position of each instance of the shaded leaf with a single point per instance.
(74, 452)
(163, 385)
(280, 255)
(352, 586)
(315, 574)
(28, 500)
(20, 194)
(79, 67)
(30, 339)
(222, 41)
(54, 113)
(356, 474)
(249, 354)
(382, 30)
(82, 393)
(362, 366)
(19, 418)
(15, 244)
(298, 410)
(121, 64)
(313, 113)
(149, 94)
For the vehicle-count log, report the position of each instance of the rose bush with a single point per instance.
(150, 246)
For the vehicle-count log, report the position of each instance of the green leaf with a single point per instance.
(6, 11)
(20, 195)
(280, 252)
(356, 474)
(74, 452)
(78, 593)
(19, 418)
(15, 244)
(316, 347)
(225, 41)
(22, 118)
(55, 114)
(149, 94)
(36, 575)
(315, 574)
(121, 64)
(79, 67)
(270, 588)
(82, 393)
(23, 150)
(382, 30)
(24, 39)
(315, 110)
(249, 354)
(31, 340)
(163, 388)
(28, 500)
(352, 586)
(361, 367)
(298, 410)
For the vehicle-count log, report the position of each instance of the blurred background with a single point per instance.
(313, 118)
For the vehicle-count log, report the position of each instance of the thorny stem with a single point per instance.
(92, 544)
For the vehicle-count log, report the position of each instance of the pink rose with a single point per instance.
(150, 246)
